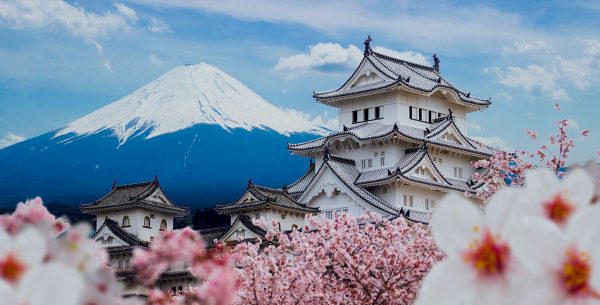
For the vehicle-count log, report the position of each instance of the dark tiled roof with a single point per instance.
(301, 184)
(401, 73)
(130, 196)
(347, 172)
(265, 198)
(374, 130)
(114, 227)
(210, 235)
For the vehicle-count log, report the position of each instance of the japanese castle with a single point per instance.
(402, 145)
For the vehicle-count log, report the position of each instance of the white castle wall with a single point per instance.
(396, 107)
(136, 217)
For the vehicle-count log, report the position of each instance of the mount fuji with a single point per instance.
(199, 130)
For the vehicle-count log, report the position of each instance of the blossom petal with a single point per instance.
(5, 242)
(579, 187)
(539, 181)
(41, 286)
(446, 283)
(8, 295)
(455, 224)
(500, 211)
(537, 244)
(584, 229)
(30, 245)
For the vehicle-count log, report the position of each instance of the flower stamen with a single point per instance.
(488, 256)
(576, 273)
(11, 268)
(558, 209)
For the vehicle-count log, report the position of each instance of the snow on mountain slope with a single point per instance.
(186, 96)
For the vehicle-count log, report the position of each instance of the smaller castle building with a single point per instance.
(131, 216)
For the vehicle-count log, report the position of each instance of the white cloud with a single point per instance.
(505, 97)
(158, 26)
(60, 16)
(457, 27)
(573, 124)
(10, 139)
(495, 142)
(472, 125)
(331, 123)
(534, 79)
(323, 121)
(411, 56)
(556, 73)
(107, 66)
(322, 57)
(332, 57)
(127, 12)
(155, 60)
(519, 47)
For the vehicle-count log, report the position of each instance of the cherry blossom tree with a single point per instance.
(508, 168)
(337, 262)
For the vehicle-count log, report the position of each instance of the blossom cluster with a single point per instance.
(507, 169)
(217, 279)
(538, 244)
(43, 262)
(337, 262)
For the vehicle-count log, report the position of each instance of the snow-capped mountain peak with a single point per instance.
(186, 96)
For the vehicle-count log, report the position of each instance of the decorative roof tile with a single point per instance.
(129, 196)
(400, 73)
(375, 130)
(265, 198)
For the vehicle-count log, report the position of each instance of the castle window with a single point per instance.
(420, 171)
(378, 112)
(282, 216)
(146, 222)
(366, 114)
(257, 216)
(329, 215)
(458, 173)
(163, 224)
(423, 115)
(354, 116)
(241, 234)
(408, 201)
(126, 222)
(382, 160)
(426, 204)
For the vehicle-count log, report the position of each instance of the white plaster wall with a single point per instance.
(394, 150)
(136, 217)
(336, 202)
(419, 196)
(451, 160)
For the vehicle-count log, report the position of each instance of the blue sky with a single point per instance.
(63, 59)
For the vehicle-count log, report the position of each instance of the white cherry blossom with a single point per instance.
(480, 267)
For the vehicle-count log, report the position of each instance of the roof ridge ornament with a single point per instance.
(395, 128)
(449, 114)
(250, 182)
(436, 63)
(367, 43)
(326, 153)
(114, 184)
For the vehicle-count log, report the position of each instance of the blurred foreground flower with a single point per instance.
(535, 245)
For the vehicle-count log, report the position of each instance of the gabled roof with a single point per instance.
(402, 171)
(210, 235)
(246, 222)
(301, 184)
(114, 227)
(258, 197)
(397, 73)
(148, 195)
(346, 172)
(373, 131)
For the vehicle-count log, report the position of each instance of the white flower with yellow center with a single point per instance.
(480, 267)
(566, 262)
(556, 200)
